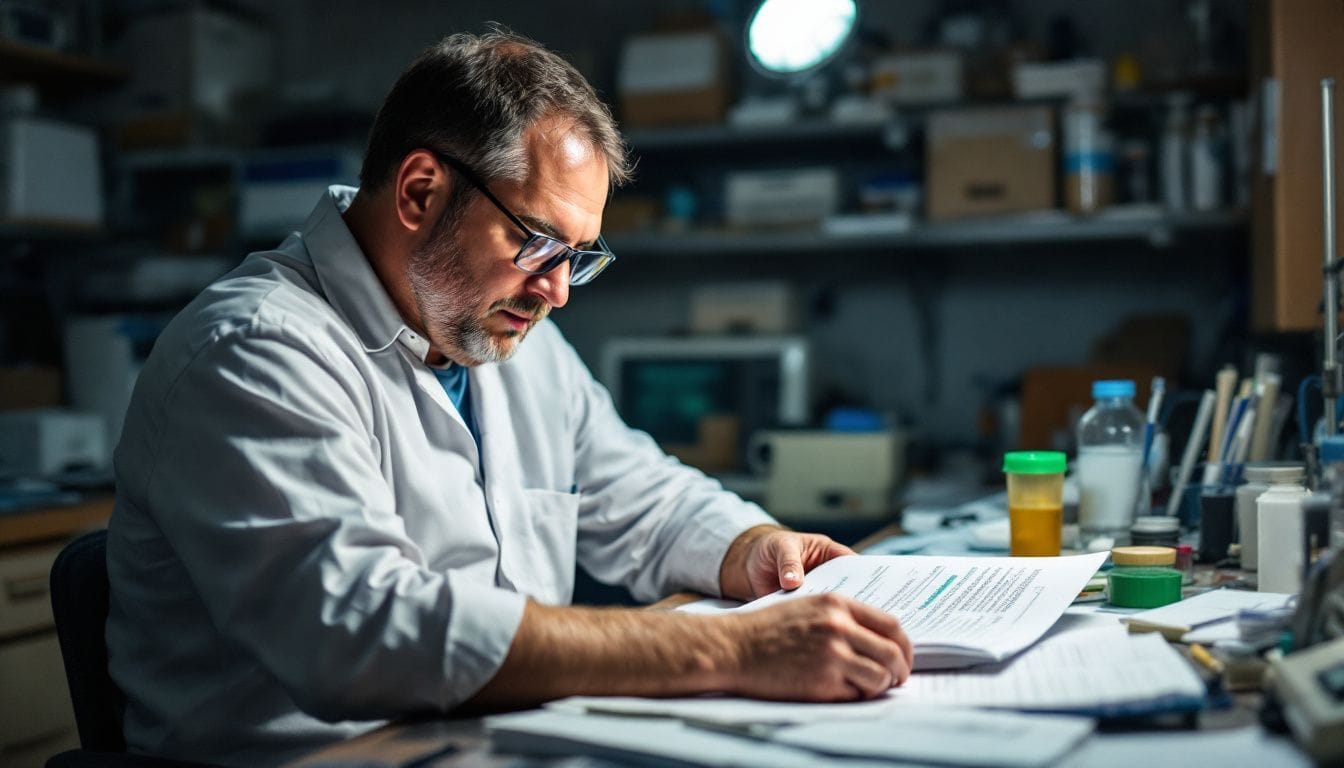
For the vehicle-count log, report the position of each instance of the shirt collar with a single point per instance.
(348, 280)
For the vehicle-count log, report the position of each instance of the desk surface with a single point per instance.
(47, 523)
(1227, 737)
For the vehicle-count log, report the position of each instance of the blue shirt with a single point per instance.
(456, 383)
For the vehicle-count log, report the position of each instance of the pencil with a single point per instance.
(1201, 654)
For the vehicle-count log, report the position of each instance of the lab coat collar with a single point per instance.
(348, 280)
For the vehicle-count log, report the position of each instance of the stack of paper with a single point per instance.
(1212, 615)
(1101, 671)
(938, 735)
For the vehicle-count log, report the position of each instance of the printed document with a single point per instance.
(958, 611)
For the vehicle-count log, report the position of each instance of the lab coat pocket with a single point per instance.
(552, 525)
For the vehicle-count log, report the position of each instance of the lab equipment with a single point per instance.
(669, 387)
(1035, 501)
(1310, 685)
(824, 475)
(1110, 458)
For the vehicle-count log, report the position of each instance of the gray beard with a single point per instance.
(445, 300)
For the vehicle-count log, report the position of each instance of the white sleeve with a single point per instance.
(646, 520)
(267, 485)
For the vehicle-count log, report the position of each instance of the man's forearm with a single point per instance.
(609, 651)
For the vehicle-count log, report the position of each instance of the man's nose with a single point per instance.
(553, 286)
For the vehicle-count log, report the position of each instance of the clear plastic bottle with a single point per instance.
(1110, 461)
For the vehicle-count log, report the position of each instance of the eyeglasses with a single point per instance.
(541, 253)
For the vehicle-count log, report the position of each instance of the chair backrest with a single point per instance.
(79, 600)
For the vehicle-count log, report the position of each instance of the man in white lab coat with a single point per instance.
(348, 491)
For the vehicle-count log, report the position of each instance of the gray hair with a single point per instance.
(473, 97)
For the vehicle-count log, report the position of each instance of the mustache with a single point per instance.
(533, 308)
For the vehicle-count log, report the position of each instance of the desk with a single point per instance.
(36, 718)
(1226, 738)
(461, 743)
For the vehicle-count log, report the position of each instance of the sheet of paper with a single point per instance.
(546, 732)
(945, 735)
(1100, 670)
(723, 710)
(1218, 605)
(956, 609)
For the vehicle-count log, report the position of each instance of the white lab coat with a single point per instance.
(304, 543)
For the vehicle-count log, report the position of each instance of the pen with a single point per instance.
(1201, 654)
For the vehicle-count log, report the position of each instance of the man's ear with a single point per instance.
(422, 184)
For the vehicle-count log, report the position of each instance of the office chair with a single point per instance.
(79, 601)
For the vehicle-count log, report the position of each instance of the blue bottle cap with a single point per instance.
(1332, 449)
(1114, 388)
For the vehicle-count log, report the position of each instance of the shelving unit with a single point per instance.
(53, 71)
(1158, 230)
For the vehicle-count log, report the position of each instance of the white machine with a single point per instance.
(817, 475)
(42, 442)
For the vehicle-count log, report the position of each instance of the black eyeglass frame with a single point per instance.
(566, 253)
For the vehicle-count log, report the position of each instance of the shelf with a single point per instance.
(53, 231)
(704, 136)
(53, 70)
(1159, 230)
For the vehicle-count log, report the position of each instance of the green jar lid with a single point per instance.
(1034, 462)
(1143, 587)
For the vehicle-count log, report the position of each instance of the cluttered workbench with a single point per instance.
(1215, 712)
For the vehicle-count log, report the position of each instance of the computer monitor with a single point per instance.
(673, 387)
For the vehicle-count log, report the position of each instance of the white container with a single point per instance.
(1110, 460)
(1280, 529)
(1258, 479)
(1206, 161)
(1173, 156)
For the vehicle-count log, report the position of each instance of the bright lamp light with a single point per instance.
(791, 36)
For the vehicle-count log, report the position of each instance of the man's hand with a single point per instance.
(820, 648)
(766, 558)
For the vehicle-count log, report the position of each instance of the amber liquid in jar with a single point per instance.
(1034, 531)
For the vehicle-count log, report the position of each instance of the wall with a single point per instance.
(996, 310)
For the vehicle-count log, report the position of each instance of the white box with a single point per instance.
(928, 77)
(1077, 78)
(41, 442)
(791, 197)
(50, 173)
(196, 57)
(279, 189)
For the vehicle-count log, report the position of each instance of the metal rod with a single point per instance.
(1330, 373)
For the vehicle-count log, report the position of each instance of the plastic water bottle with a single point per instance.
(1110, 461)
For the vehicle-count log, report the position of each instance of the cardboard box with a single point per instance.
(792, 197)
(29, 387)
(673, 79)
(762, 306)
(1077, 78)
(196, 74)
(990, 161)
